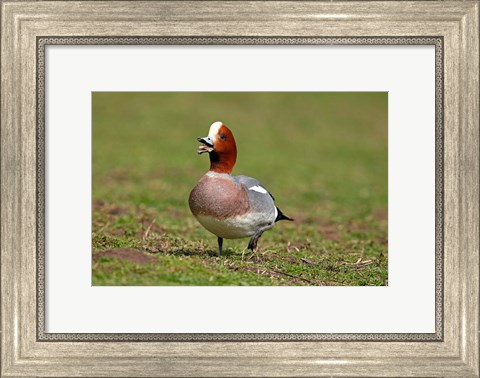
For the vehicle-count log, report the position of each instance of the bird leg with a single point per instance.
(220, 243)
(252, 244)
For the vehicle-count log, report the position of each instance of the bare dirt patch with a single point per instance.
(126, 254)
(381, 214)
(108, 208)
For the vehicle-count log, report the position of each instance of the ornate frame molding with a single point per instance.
(25, 25)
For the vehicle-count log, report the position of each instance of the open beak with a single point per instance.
(207, 145)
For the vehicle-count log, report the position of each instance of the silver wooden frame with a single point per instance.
(452, 26)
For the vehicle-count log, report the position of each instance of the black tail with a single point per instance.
(281, 216)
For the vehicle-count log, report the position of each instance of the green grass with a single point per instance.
(323, 156)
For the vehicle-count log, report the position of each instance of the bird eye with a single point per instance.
(223, 136)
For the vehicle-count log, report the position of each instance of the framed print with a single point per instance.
(362, 119)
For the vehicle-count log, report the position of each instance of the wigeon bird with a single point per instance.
(231, 207)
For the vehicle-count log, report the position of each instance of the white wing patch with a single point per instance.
(258, 188)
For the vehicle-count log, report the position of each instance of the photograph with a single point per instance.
(240, 188)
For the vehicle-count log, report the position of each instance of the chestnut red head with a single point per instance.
(220, 145)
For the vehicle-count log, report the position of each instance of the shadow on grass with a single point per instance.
(194, 252)
(191, 252)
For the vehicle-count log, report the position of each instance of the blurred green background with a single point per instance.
(324, 156)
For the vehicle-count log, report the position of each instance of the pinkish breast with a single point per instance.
(218, 196)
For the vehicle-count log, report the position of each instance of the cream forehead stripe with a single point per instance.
(214, 128)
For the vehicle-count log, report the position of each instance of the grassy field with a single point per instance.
(322, 155)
